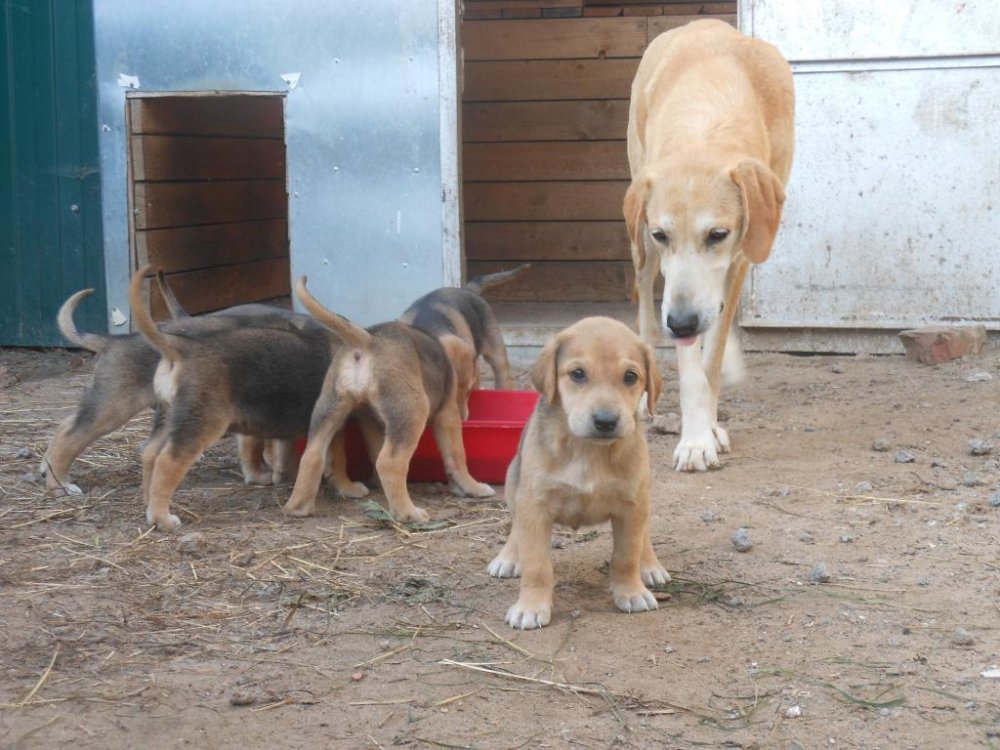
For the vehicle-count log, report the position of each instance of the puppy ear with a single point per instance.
(545, 373)
(763, 196)
(634, 209)
(654, 381)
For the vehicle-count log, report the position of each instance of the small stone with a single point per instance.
(836, 368)
(846, 538)
(820, 574)
(978, 376)
(242, 697)
(970, 479)
(933, 345)
(575, 614)
(668, 649)
(193, 544)
(793, 712)
(881, 444)
(384, 644)
(558, 542)
(667, 424)
(962, 637)
(995, 500)
(734, 602)
(806, 538)
(708, 516)
(979, 447)
(357, 677)
(29, 476)
(863, 488)
(24, 452)
(904, 457)
(741, 540)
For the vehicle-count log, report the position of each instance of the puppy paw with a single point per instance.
(165, 522)
(654, 575)
(64, 489)
(472, 489)
(632, 599)
(352, 490)
(414, 515)
(299, 508)
(502, 567)
(524, 616)
(261, 477)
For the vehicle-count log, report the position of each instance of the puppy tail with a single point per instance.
(67, 327)
(176, 311)
(144, 321)
(481, 283)
(350, 333)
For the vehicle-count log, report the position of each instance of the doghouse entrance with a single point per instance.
(545, 109)
(207, 196)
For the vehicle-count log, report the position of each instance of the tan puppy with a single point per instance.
(582, 461)
(465, 325)
(396, 376)
(710, 138)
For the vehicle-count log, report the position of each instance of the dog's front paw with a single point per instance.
(634, 598)
(472, 489)
(721, 438)
(526, 616)
(654, 575)
(164, 522)
(698, 453)
(258, 476)
(352, 490)
(503, 567)
(64, 489)
(413, 515)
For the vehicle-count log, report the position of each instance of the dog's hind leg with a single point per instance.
(402, 433)
(495, 354)
(171, 465)
(337, 473)
(447, 426)
(251, 450)
(328, 419)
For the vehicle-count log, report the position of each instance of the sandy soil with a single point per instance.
(248, 629)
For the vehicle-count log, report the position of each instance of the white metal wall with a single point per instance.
(893, 211)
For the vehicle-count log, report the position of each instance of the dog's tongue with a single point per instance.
(687, 341)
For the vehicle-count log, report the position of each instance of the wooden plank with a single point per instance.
(544, 201)
(188, 248)
(554, 39)
(170, 157)
(592, 119)
(521, 4)
(225, 286)
(532, 80)
(232, 115)
(634, 11)
(173, 204)
(520, 241)
(567, 281)
(579, 160)
(664, 23)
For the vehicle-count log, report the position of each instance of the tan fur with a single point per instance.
(710, 141)
(399, 378)
(583, 460)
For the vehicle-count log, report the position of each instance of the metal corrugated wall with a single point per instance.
(50, 199)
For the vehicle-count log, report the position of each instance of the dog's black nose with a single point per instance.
(684, 325)
(605, 421)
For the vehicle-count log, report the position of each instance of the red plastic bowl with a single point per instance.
(491, 435)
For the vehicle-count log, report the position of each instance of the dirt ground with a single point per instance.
(248, 629)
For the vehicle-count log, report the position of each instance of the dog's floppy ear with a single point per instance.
(545, 373)
(654, 381)
(763, 196)
(634, 209)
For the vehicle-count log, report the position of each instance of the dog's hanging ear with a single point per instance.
(654, 381)
(545, 373)
(634, 209)
(763, 196)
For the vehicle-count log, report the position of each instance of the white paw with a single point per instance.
(415, 515)
(635, 601)
(72, 489)
(501, 567)
(655, 576)
(475, 489)
(721, 438)
(696, 455)
(257, 477)
(523, 617)
(353, 490)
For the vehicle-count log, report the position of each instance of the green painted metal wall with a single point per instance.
(50, 199)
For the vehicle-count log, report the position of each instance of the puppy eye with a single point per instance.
(717, 235)
(659, 235)
(578, 375)
(631, 378)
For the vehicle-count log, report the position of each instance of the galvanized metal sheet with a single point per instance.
(363, 125)
(879, 29)
(893, 208)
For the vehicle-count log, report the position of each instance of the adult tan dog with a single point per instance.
(710, 139)
(582, 461)
(397, 379)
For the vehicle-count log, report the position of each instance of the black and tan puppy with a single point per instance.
(583, 460)
(400, 378)
(465, 325)
(122, 386)
(252, 380)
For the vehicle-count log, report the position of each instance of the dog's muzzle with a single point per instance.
(605, 423)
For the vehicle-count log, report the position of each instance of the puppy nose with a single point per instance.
(683, 325)
(605, 421)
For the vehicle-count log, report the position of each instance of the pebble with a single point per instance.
(962, 637)
(558, 542)
(385, 644)
(979, 447)
(734, 602)
(836, 368)
(741, 540)
(806, 538)
(793, 712)
(978, 376)
(904, 457)
(863, 488)
(846, 538)
(24, 452)
(193, 544)
(819, 574)
(667, 424)
(995, 499)
(241, 697)
(970, 479)
(881, 444)
(357, 677)
(708, 516)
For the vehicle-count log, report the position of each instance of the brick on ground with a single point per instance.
(933, 345)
